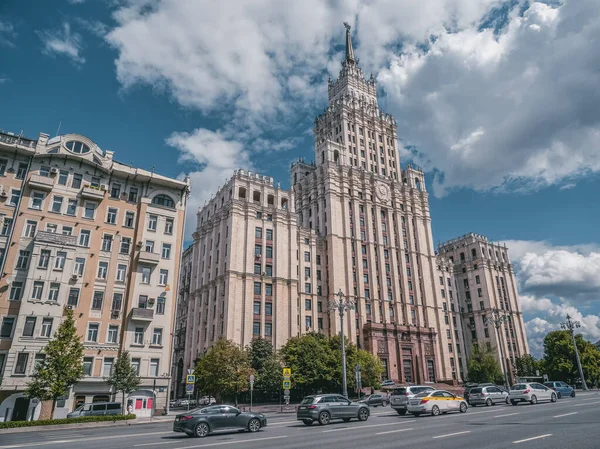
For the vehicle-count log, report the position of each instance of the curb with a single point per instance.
(87, 425)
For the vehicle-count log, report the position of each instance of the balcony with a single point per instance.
(138, 314)
(57, 239)
(148, 257)
(92, 193)
(41, 182)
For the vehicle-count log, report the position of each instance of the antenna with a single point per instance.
(58, 129)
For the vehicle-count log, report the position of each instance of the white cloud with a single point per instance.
(62, 42)
(568, 186)
(7, 34)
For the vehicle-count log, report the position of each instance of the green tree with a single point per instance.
(267, 368)
(62, 366)
(224, 370)
(123, 377)
(527, 365)
(482, 366)
(559, 357)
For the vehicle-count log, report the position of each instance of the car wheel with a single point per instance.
(435, 410)
(324, 418)
(346, 419)
(202, 429)
(533, 399)
(254, 425)
(401, 412)
(463, 407)
(308, 422)
(553, 398)
(513, 402)
(363, 414)
(384, 404)
(573, 394)
(507, 400)
(559, 395)
(488, 402)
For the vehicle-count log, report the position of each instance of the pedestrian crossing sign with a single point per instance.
(190, 379)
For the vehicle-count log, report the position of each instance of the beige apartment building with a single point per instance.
(87, 233)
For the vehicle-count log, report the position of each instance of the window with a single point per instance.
(307, 287)
(269, 270)
(479, 293)
(152, 222)
(46, 328)
(44, 258)
(115, 192)
(157, 336)
(21, 171)
(143, 302)
(59, 261)
(166, 251)
(133, 194)
(73, 298)
(163, 277)
(53, 291)
(62, 177)
(67, 230)
(121, 272)
(269, 252)
(125, 245)
(163, 200)
(95, 182)
(477, 280)
(88, 362)
(257, 250)
(7, 327)
(129, 216)
(37, 199)
(113, 331)
(306, 256)
(160, 305)
(90, 210)
(84, 238)
(308, 322)
(29, 327)
(6, 225)
(154, 367)
(269, 234)
(486, 332)
(108, 366)
(107, 241)
(15, 194)
(268, 309)
(138, 336)
(30, 228)
(318, 260)
(92, 333)
(117, 302)
(169, 226)
(111, 215)
(3, 163)
(307, 304)
(102, 270)
(306, 272)
(257, 268)
(268, 289)
(16, 290)
(97, 300)
(57, 204)
(146, 275)
(256, 328)
(258, 233)
(23, 260)
(481, 305)
(21, 365)
(52, 227)
(268, 329)
(149, 246)
(257, 288)
(79, 266)
(256, 308)
(135, 364)
(38, 287)
(77, 179)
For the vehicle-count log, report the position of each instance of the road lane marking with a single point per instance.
(155, 444)
(451, 434)
(587, 403)
(77, 440)
(362, 427)
(393, 431)
(282, 422)
(502, 416)
(532, 438)
(232, 442)
(565, 414)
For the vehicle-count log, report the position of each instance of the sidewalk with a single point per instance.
(89, 425)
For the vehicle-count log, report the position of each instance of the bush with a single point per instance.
(53, 422)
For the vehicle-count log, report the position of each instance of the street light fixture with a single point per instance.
(497, 320)
(342, 305)
(570, 326)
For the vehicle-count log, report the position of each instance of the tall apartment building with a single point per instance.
(485, 281)
(85, 232)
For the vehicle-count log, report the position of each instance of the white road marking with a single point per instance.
(232, 442)
(532, 438)
(566, 414)
(362, 427)
(77, 440)
(589, 399)
(509, 414)
(282, 422)
(452, 434)
(393, 431)
(587, 403)
(156, 444)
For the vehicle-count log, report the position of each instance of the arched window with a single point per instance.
(163, 200)
(77, 147)
(418, 183)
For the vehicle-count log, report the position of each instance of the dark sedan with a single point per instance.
(375, 400)
(202, 421)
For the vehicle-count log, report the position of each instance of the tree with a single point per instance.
(482, 366)
(559, 357)
(527, 365)
(123, 377)
(224, 370)
(61, 368)
(267, 368)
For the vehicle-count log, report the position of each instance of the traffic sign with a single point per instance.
(287, 372)
(189, 388)
(286, 392)
(190, 379)
(251, 378)
(287, 384)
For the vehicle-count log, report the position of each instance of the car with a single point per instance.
(97, 409)
(400, 396)
(469, 386)
(487, 396)
(435, 403)
(375, 400)
(207, 400)
(562, 389)
(206, 420)
(388, 383)
(325, 407)
(531, 392)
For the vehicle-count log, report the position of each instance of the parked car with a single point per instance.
(97, 409)
(487, 395)
(375, 400)
(388, 383)
(205, 420)
(325, 407)
(531, 392)
(436, 402)
(400, 396)
(469, 386)
(561, 388)
(207, 400)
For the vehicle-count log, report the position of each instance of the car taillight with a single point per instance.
(406, 394)
(423, 401)
(312, 407)
(483, 394)
(554, 388)
(186, 417)
(526, 391)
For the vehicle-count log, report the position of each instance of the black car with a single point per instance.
(374, 400)
(202, 421)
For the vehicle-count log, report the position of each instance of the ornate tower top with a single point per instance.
(349, 50)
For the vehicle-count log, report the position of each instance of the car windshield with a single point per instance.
(476, 390)
(308, 400)
(399, 392)
(423, 394)
(369, 396)
(519, 387)
(549, 384)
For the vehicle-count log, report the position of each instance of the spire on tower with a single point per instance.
(349, 50)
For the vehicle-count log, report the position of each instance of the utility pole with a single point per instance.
(497, 320)
(342, 305)
(570, 326)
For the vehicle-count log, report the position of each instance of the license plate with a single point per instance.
(302, 408)
(176, 419)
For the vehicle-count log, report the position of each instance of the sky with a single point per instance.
(497, 100)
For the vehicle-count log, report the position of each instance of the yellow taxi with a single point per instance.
(436, 402)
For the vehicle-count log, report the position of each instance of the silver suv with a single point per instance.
(487, 395)
(400, 396)
(325, 407)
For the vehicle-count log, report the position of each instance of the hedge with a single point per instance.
(53, 422)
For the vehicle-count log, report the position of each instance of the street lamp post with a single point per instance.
(341, 305)
(570, 326)
(497, 320)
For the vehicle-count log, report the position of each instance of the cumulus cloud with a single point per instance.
(62, 42)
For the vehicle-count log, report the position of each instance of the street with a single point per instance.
(567, 423)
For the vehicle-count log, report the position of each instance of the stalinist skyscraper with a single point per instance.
(266, 262)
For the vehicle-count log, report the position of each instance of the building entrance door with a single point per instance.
(20, 410)
(431, 370)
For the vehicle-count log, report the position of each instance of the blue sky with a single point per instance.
(496, 100)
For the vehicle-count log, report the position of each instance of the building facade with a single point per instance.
(267, 262)
(87, 233)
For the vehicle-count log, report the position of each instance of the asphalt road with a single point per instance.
(573, 423)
